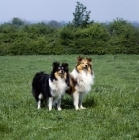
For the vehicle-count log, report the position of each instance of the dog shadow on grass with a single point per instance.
(67, 103)
(89, 103)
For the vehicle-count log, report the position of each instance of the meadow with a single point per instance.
(112, 106)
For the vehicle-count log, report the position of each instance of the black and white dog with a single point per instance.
(51, 87)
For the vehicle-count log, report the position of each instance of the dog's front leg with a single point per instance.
(76, 100)
(59, 104)
(80, 101)
(50, 103)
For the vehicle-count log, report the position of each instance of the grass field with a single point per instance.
(112, 105)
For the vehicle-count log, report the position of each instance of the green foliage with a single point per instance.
(124, 37)
(54, 24)
(28, 39)
(118, 36)
(112, 106)
(85, 40)
(17, 21)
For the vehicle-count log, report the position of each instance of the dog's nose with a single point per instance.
(62, 71)
(86, 66)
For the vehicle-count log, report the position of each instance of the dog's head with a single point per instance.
(84, 64)
(60, 70)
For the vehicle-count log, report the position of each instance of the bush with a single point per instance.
(118, 36)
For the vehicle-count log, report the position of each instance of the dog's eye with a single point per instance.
(59, 68)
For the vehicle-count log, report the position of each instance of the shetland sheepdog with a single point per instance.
(81, 81)
(49, 88)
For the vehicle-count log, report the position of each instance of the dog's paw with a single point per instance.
(39, 106)
(59, 109)
(81, 107)
(76, 108)
(49, 108)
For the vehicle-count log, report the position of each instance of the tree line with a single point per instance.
(81, 36)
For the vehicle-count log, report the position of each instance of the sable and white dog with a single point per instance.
(81, 81)
(51, 87)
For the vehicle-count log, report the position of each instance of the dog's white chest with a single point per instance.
(84, 80)
(57, 87)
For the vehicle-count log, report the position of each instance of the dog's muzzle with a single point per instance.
(61, 71)
(86, 67)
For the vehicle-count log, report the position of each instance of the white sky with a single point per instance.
(62, 10)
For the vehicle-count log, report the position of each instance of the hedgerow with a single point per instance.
(118, 36)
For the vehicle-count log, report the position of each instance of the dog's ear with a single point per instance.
(90, 62)
(79, 58)
(66, 66)
(55, 64)
(89, 59)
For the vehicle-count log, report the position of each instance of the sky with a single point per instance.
(62, 10)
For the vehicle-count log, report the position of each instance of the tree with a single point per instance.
(17, 21)
(81, 16)
(54, 24)
(124, 37)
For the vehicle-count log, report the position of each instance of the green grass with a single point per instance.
(112, 106)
